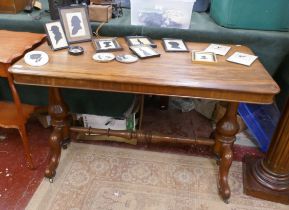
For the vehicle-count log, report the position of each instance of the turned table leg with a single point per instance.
(225, 133)
(59, 118)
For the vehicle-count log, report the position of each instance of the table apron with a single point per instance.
(211, 94)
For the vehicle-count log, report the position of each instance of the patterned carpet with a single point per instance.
(108, 178)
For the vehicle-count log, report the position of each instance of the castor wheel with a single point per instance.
(226, 201)
(217, 160)
(64, 143)
(51, 180)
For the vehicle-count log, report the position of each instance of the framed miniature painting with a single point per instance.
(174, 45)
(106, 45)
(76, 23)
(140, 40)
(203, 57)
(143, 51)
(55, 35)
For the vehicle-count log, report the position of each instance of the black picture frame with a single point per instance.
(140, 40)
(75, 22)
(174, 45)
(106, 45)
(144, 51)
(55, 34)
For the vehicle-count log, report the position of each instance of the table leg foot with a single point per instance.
(60, 122)
(65, 143)
(225, 164)
(225, 133)
(55, 149)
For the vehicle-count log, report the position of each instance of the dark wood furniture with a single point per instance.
(14, 115)
(268, 178)
(173, 74)
(13, 6)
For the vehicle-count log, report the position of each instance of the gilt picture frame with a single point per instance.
(204, 57)
(140, 40)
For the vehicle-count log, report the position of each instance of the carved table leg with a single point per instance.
(225, 133)
(58, 112)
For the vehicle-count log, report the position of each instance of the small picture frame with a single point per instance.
(140, 40)
(76, 23)
(144, 51)
(174, 45)
(106, 45)
(203, 57)
(55, 35)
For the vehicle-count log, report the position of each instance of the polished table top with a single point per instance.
(171, 74)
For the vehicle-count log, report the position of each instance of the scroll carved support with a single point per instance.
(225, 133)
(59, 116)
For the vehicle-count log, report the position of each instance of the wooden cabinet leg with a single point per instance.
(59, 118)
(225, 133)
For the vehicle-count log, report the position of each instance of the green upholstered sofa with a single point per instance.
(271, 47)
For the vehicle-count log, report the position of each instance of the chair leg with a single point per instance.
(21, 121)
(26, 145)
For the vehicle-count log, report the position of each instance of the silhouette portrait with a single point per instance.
(36, 57)
(56, 33)
(144, 51)
(139, 41)
(75, 23)
(107, 44)
(175, 45)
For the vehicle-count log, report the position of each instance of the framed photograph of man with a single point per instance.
(55, 35)
(139, 40)
(143, 51)
(76, 23)
(174, 45)
(106, 45)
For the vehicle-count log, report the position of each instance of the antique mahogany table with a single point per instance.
(172, 74)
